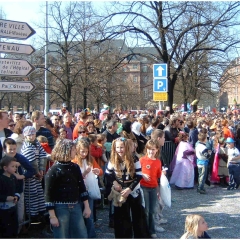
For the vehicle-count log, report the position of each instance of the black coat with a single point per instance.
(8, 133)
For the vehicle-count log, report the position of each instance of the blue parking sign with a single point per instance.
(160, 85)
(160, 70)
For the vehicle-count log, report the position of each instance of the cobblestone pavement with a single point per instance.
(220, 208)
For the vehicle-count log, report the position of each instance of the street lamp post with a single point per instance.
(46, 89)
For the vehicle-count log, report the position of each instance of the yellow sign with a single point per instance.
(160, 96)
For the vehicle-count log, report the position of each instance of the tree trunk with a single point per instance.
(85, 98)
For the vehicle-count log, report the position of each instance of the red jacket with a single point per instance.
(47, 150)
(96, 151)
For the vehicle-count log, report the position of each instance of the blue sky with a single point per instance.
(22, 11)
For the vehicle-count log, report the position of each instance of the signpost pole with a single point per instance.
(46, 104)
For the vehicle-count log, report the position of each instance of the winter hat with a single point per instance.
(136, 128)
(29, 130)
(229, 140)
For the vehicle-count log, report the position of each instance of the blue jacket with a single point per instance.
(193, 136)
(25, 169)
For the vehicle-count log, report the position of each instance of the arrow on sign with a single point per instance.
(16, 30)
(15, 67)
(16, 48)
(160, 70)
(16, 86)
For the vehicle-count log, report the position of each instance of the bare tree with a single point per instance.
(164, 25)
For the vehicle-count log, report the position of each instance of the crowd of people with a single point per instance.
(62, 164)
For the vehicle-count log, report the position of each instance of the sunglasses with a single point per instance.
(81, 132)
(121, 139)
(12, 125)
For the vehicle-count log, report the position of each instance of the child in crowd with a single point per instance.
(203, 155)
(102, 139)
(95, 149)
(10, 149)
(195, 227)
(159, 135)
(9, 196)
(36, 155)
(64, 189)
(125, 172)
(87, 163)
(44, 143)
(151, 170)
(222, 165)
(233, 164)
(62, 133)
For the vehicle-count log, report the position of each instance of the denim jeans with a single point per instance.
(234, 175)
(89, 222)
(71, 223)
(202, 175)
(150, 197)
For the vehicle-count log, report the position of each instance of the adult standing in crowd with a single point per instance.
(111, 135)
(18, 133)
(82, 120)
(67, 125)
(4, 131)
(38, 121)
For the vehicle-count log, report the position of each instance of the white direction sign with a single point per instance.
(16, 48)
(15, 67)
(16, 30)
(23, 86)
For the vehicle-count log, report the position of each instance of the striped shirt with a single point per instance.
(35, 154)
(126, 180)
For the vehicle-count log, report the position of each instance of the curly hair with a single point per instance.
(83, 144)
(62, 150)
(127, 159)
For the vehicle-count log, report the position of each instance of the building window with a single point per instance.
(145, 93)
(144, 68)
(135, 79)
(135, 66)
(145, 79)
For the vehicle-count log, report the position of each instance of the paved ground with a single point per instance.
(220, 208)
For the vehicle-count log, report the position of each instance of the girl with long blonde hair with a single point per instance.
(87, 164)
(124, 170)
(195, 227)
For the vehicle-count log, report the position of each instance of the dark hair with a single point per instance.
(155, 122)
(190, 124)
(166, 113)
(202, 136)
(165, 121)
(92, 137)
(49, 122)
(6, 160)
(203, 130)
(111, 123)
(8, 141)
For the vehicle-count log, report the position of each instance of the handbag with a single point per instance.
(165, 190)
(91, 183)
